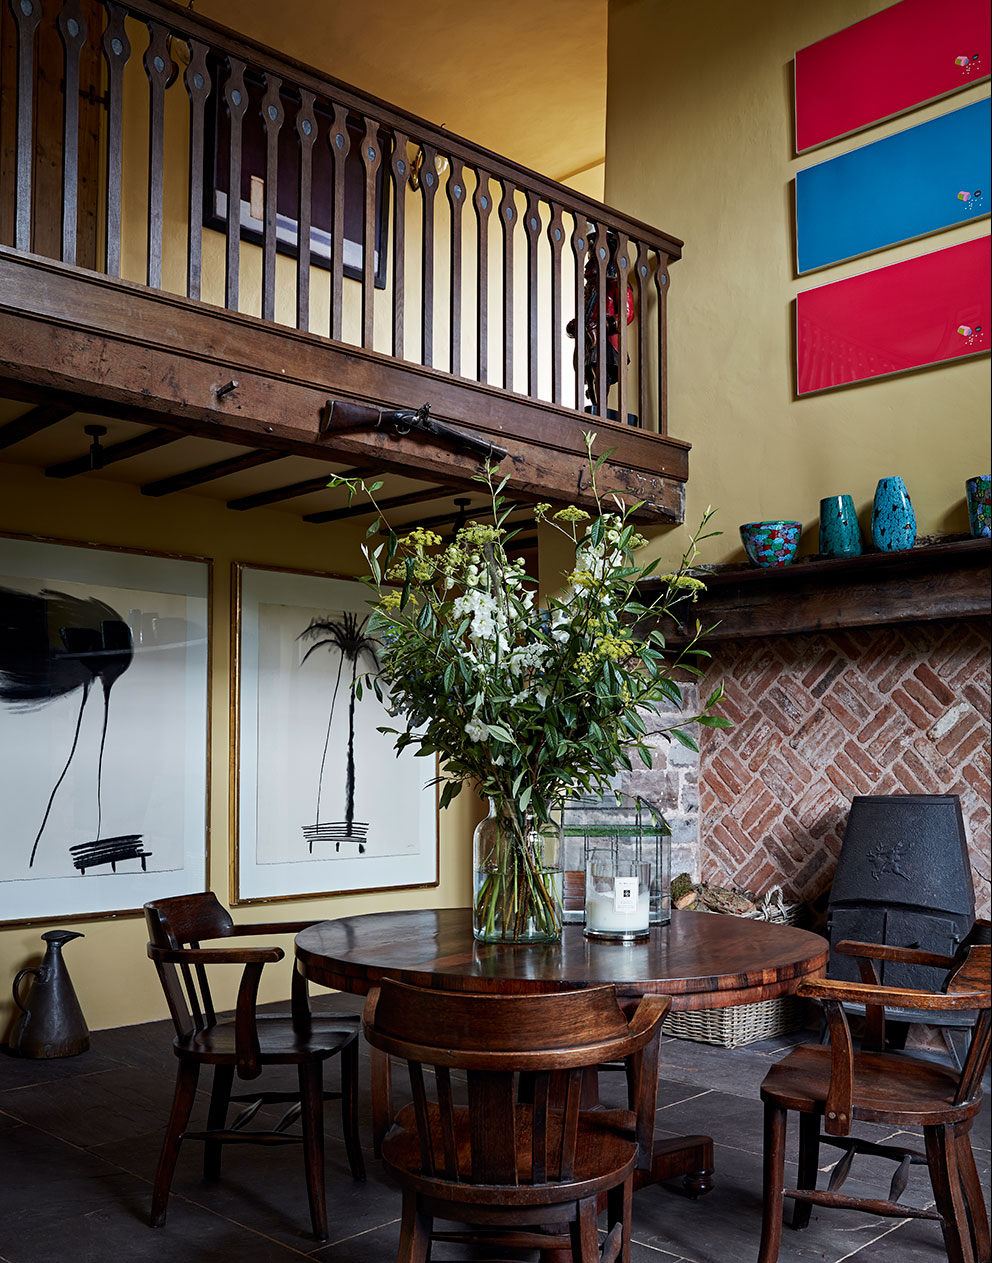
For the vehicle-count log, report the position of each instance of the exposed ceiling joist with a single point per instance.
(110, 455)
(294, 489)
(444, 518)
(208, 473)
(31, 423)
(365, 510)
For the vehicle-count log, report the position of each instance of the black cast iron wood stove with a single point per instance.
(903, 878)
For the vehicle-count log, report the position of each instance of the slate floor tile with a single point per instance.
(80, 1137)
(55, 1193)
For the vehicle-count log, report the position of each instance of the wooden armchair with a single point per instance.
(838, 1085)
(521, 1169)
(176, 929)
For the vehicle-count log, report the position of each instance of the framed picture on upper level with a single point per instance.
(910, 53)
(333, 138)
(103, 728)
(324, 804)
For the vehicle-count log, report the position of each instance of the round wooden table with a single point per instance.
(701, 960)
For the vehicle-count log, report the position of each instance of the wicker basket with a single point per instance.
(746, 1023)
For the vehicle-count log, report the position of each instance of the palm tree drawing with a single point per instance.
(345, 635)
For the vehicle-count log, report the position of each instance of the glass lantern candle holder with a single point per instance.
(618, 895)
(628, 838)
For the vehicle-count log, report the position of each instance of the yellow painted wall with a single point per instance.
(699, 141)
(113, 978)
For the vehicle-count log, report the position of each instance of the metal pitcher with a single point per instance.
(51, 1023)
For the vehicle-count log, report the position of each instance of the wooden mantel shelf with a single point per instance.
(931, 581)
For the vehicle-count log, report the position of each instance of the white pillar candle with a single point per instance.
(617, 905)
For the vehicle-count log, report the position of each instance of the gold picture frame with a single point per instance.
(104, 723)
(320, 802)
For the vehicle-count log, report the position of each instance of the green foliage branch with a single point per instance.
(530, 702)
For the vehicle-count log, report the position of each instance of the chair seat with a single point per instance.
(887, 1089)
(604, 1153)
(279, 1042)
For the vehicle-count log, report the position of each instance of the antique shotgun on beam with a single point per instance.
(340, 414)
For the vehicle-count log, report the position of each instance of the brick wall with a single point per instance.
(821, 718)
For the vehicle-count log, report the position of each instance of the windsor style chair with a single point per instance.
(243, 1047)
(835, 1085)
(521, 1168)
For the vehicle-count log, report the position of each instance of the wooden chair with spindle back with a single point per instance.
(177, 928)
(522, 1169)
(836, 1085)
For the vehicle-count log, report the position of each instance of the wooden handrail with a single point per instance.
(183, 22)
(345, 152)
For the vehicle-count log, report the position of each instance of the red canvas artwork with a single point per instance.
(910, 53)
(923, 311)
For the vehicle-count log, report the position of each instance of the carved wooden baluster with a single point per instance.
(339, 142)
(160, 70)
(399, 166)
(306, 134)
(661, 284)
(508, 223)
(236, 96)
(642, 271)
(483, 203)
(273, 114)
(556, 238)
(72, 30)
(197, 82)
(117, 50)
(602, 256)
(532, 227)
(371, 161)
(580, 243)
(428, 192)
(28, 15)
(456, 199)
(622, 263)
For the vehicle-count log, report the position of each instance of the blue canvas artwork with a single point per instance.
(918, 181)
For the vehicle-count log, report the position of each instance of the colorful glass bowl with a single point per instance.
(771, 543)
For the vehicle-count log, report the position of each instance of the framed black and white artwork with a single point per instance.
(103, 728)
(324, 804)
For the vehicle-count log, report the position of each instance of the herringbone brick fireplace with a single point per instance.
(820, 718)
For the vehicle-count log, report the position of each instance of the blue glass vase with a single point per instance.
(893, 522)
(840, 535)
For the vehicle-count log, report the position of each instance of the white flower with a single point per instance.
(476, 730)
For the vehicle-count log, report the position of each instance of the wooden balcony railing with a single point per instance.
(127, 124)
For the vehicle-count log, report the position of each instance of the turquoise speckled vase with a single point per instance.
(893, 522)
(840, 535)
(979, 491)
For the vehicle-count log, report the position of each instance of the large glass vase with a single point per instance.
(517, 866)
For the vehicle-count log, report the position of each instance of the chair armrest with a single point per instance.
(273, 927)
(891, 997)
(215, 955)
(649, 1013)
(643, 1072)
(903, 955)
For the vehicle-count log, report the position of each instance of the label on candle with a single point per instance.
(625, 894)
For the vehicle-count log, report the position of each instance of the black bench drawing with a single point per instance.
(112, 851)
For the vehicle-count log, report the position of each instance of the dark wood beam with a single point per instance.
(93, 338)
(366, 509)
(209, 473)
(295, 489)
(932, 581)
(31, 423)
(443, 519)
(111, 455)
